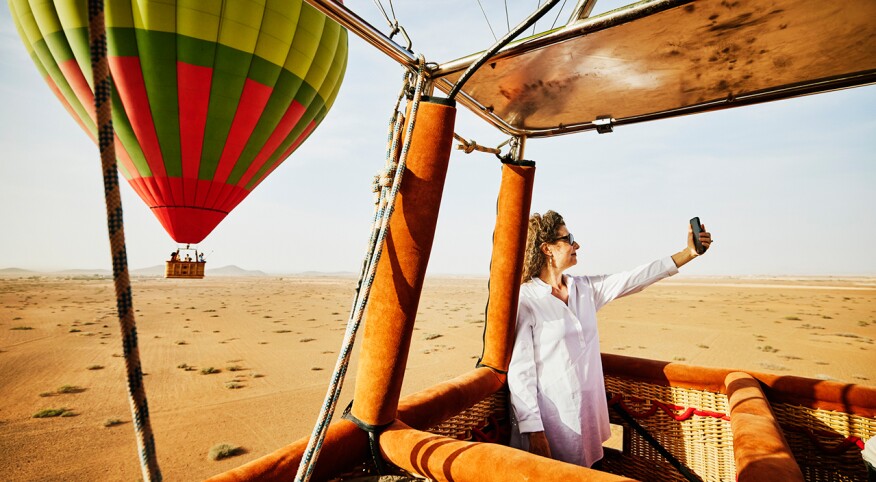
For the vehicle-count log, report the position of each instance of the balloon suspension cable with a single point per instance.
(559, 12)
(116, 228)
(386, 187)
(540, 12)
(471, 146)
(490, 26)
(394, 26)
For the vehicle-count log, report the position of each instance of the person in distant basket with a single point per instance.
(559, 409)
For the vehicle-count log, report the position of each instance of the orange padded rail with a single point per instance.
(759, 448)
(446, 459)
(436, 404)
(398, 281)
(806, 392)
(506, 266)
(345, 445)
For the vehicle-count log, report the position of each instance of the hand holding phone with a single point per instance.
(697, 228)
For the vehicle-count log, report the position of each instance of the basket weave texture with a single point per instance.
(703, 443)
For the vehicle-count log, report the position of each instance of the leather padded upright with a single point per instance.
(759, 447)
(398, 281)
(506, 266)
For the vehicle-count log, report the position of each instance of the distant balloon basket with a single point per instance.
(209, 97)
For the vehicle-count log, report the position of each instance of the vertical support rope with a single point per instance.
(115, 225)
(384, 207)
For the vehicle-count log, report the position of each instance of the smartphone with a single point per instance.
(697, 229)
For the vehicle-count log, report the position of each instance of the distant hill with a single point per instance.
(232, 270)
(84, 272)
(151, 271)
(328, 274)
(157, 270)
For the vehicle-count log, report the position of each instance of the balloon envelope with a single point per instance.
(209, 96)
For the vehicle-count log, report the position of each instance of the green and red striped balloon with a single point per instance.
(210, 96)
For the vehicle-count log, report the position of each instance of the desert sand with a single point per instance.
(274, 341)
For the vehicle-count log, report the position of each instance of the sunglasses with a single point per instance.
(569, 238)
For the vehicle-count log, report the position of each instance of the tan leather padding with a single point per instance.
(436, 404)
(806, 392)
(398, 282)
(506, 265)
(761, 452)
(345, 445)
(446, 459)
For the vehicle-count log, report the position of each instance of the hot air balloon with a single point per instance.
(209, 96)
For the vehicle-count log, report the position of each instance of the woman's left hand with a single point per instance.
(705, 240)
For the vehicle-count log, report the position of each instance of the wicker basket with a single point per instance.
(826, 444)
(486, 421)
(693, 425)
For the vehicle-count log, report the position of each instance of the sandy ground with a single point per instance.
(276, 340)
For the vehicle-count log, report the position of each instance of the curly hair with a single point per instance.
(542, 229)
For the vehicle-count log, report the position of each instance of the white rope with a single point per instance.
(384, 207)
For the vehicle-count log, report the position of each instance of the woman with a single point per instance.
(555, 376)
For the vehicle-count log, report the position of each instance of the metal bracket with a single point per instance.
(604, 124)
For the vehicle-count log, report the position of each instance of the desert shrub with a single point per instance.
(235, 368)
(95, 367)
(21, 328)
(209, 370)
(52, 412)
(112, 422)
(233, 385)
(70, 389)
(224, 451)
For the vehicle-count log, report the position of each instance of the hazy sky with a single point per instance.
(786, 187)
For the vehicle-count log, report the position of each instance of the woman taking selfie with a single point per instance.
(555, 377)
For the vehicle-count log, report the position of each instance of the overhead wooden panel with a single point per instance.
(663, 58)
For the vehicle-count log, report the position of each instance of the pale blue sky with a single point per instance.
(787, 188)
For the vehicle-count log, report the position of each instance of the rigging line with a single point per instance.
(537, 4)
(558, 15)
(103, 116)
(507, 20)
(471, 146)
(380, 6)
(392, 9)
(542, 10)
(393, 24)
(488, 20)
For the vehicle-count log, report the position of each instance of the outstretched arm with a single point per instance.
(682, 257)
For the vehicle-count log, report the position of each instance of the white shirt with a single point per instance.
(555, 376)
